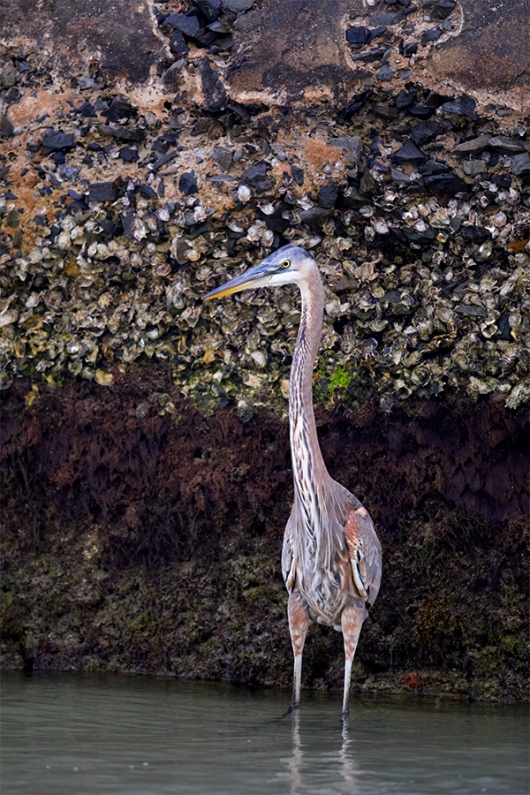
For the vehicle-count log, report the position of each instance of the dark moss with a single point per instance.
(134, 542)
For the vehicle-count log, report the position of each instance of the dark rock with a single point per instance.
(379, 31)
(87, 109)
(206, 38)
(446, 183)
(210, 9)
(223, 157)
(213, 89)
(358, 36)
(425, 131)
(188, 24)
(297, 175)
(327, 195)
(119, 108)
(432, 167)
(110, 228)
(55, 140)
(521, 164)
(58, 157)
(475, 234)
(147, 192)
(217, 27)
(128, 226)
(237, 6)
(276, 222)
(424, 238)
(409, 49)
(255, 174)
(503, 181)
(222, 43)
(472, 167)
(177, 44)
(102, 192)
(241, 111)
(171, 76)
(404, 100)
(12, 219)
(379, 166)
(465, 106)
(353, 198)
(375, 54)
(128, 154)
(188, 183)
(409, 152)
(433, 34)
(473, 146)
(6, 127)
(421, 111)
(442, 9)
(470, 309)
(367, 184)
(386, 111)
(507, 146)
(132, 135)
(355, 105)
(221, 178)
(400, 177)
(388, 19)
(315, 216)
(385, 73)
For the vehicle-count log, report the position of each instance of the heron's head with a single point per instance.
(288, 265)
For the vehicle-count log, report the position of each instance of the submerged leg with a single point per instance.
(352, 621)
(298, 624)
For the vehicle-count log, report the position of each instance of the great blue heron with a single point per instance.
(331, 559)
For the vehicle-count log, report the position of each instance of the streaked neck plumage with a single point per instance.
(308, 466)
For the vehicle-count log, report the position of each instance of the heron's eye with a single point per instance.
(286, 263)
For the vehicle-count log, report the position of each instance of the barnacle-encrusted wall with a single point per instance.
(154, 162)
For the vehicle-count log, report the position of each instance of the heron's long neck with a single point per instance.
(308, 466)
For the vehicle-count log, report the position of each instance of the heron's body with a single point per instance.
(331, 560)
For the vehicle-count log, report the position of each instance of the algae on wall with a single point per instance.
(154, 546)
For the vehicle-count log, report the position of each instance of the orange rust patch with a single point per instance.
(38, 103)
(319, 153)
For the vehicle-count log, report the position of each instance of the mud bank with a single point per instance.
(137, 540)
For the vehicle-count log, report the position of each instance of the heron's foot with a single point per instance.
(345, 715)
(292, 708)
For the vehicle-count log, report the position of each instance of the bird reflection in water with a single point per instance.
(334, 770)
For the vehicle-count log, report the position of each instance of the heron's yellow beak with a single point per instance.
(255, 277)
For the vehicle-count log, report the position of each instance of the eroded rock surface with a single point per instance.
(71, 37)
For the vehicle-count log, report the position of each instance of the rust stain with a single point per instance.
(39, 103)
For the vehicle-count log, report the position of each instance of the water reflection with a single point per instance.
(339, 761)
(146, 736)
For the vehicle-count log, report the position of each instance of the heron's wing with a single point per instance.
(365, 553)
(288, 558)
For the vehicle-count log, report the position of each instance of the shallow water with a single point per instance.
(70, 733)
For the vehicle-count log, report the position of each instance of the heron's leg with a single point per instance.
(352, 621)
(298, 624)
